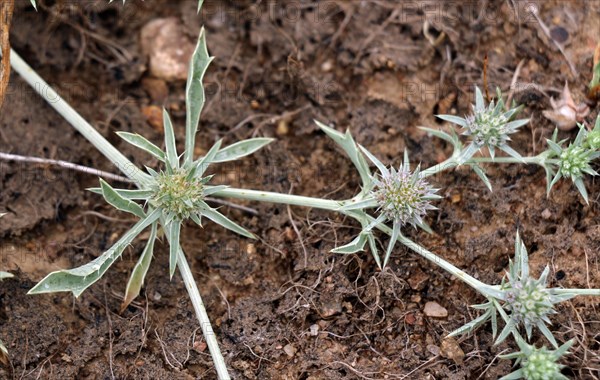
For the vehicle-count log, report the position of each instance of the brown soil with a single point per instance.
(357, 64)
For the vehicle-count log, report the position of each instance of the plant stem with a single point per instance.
(207, 331)
(451, 163)
(78, 122)
(267, 196)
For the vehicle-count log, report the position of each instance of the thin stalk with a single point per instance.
(580, 292)
(445, 165)
(207, 331)
(267, 196)
(451, 163)
(66, 111)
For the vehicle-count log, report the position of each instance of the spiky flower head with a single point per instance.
(529, 300)
(488, 126)
(404, 196)
(574, 161)
(537, 363)
(592, 139)
(178, 193)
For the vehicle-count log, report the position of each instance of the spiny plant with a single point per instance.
(166, 198)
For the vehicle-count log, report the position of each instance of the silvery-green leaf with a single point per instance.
(142, 143)
(33, 4)
(241, 149)
(210, 190)
(174, 231)
(356, 245)
(119, 202)
(202, 163)
(516, 375)
(547, 333)
(127, 194)
(374, 251)
(513, 125)
(76, 280)
(453, 119)
(346, 142)
(392, 242)
(554, 146)
(467, 153)
(194, 94)
(171, 147)
(479, 103)
(581, 187)
(223, 221)
(507, 149)
(359, 205)
(472, 325)
(481, 174)
(384, 171)
(200, 5)
(4, 275)
(136, 280)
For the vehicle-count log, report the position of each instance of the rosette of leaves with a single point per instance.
(399, 195)
(488, 126)
(574, 161)
(537, 363)
(525, 302)
(166, 198)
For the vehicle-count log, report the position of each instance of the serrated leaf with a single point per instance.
(174, 231)
(241, 149)
(136, 280)
(76, 280)
(141, 142)
(194, 94)
(119, 202)
(171, 147)
(348, 145)
(223, 221)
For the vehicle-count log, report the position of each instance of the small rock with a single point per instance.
(154, 117)
(435, 310)
(410, 319)
(418, 279)
(282, 128)
(546, 214)
(451, 350)
(168, 48)
(157, 89)
(289, 350)
(156, 296)
(314, 330)
(432, 348)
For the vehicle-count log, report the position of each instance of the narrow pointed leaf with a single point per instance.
(356, 245)
(348, 145)
(136, 280)
(581, 187)
(223, 221)
(174, 231)
(374, 160)
(453, 119)
(393, 239)
(362, 204)
(202, 164)
(479, 102)
(471, 326)
(127, 194)
(119, 202)
(241, 149)
(76, 280)
(142, 143)
(481, 174)
(374, 251)
(194, 94)
(171, 147)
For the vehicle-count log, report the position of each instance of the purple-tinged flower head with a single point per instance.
(404, 196)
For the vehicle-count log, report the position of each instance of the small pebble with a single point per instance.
(546, 214)
(435, 310)
(314, 330)
(289, 350)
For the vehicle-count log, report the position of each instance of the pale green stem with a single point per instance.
(266, 196)
(451, 163)
(207, 331)
(580, 292)
(78, 122)
(129, 169)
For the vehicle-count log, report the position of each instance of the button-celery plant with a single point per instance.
(168, 197)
